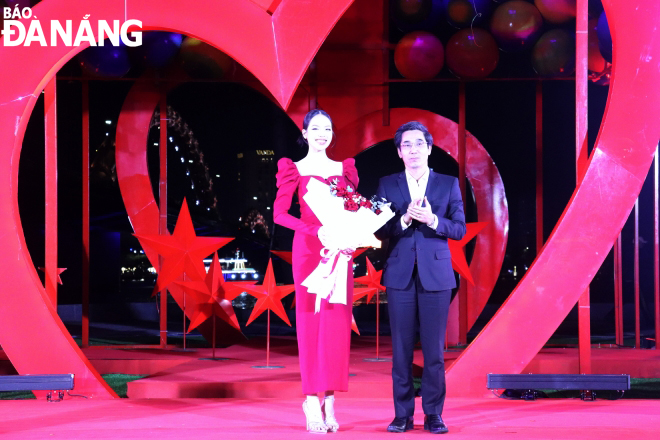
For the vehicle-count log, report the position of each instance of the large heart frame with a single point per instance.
(34, 337)
(276, 48)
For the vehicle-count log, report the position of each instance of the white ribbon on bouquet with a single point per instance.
(350, 230)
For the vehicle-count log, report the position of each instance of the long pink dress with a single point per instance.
(323, 338)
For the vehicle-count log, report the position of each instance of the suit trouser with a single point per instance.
(409, 309)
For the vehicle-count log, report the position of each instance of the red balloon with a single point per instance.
(516, 25)
(554, 54)
(556, 11)
(472, 53)
(419, 55)
(201, 60)
(410, 7)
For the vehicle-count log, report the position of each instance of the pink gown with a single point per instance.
(324, 338)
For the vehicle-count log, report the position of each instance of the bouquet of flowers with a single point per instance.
(351, 219)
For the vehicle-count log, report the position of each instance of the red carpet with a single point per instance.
(266, 404)
(360, 418)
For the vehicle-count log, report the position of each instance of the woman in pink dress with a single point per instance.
(323, 337)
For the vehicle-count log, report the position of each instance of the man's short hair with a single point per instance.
(409, 126)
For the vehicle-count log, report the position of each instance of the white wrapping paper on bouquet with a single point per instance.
(352, 230)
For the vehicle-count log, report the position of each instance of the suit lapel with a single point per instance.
(430, 186)
(403, 186)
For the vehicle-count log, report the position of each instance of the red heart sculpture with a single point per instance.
(594, 216)
(276, 48)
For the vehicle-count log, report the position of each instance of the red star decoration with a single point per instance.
(354, 326)
(458, 261)
(213, 296)
(269, 296)
(183, 251)
(359, 292)
(371, 279)
(59, 272)
(285, 255)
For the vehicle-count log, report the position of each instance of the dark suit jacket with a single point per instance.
(419, 242)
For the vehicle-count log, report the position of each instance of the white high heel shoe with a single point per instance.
(314, 417)
(329, 409)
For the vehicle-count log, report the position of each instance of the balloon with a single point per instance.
(414, 15)
(556, 11)
(554, 53)
(412, 8)
(419, 55)
(472, 53)
(604, 37)
(516, 25)
(463, 13)
(596, 62)
(106, 61)
(158, 48)
(201, 60)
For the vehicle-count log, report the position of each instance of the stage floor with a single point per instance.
(254, 403)
(360, 418)
(193, 375)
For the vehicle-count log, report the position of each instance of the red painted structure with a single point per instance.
(35, 338)
(272, 49)
(616, 170)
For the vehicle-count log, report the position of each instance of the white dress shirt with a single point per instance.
(417, 189)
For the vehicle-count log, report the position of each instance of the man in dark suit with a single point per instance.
(418, 274)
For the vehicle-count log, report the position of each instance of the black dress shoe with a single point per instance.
(401, 424)
(434, 424)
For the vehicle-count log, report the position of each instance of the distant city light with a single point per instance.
(217, 175)
(268, 207)
(156, 144)
(176, 148)
(107, 134)
(255, 197)
(171, 140)
(182, 161)
(190, 161)
(108, 121)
